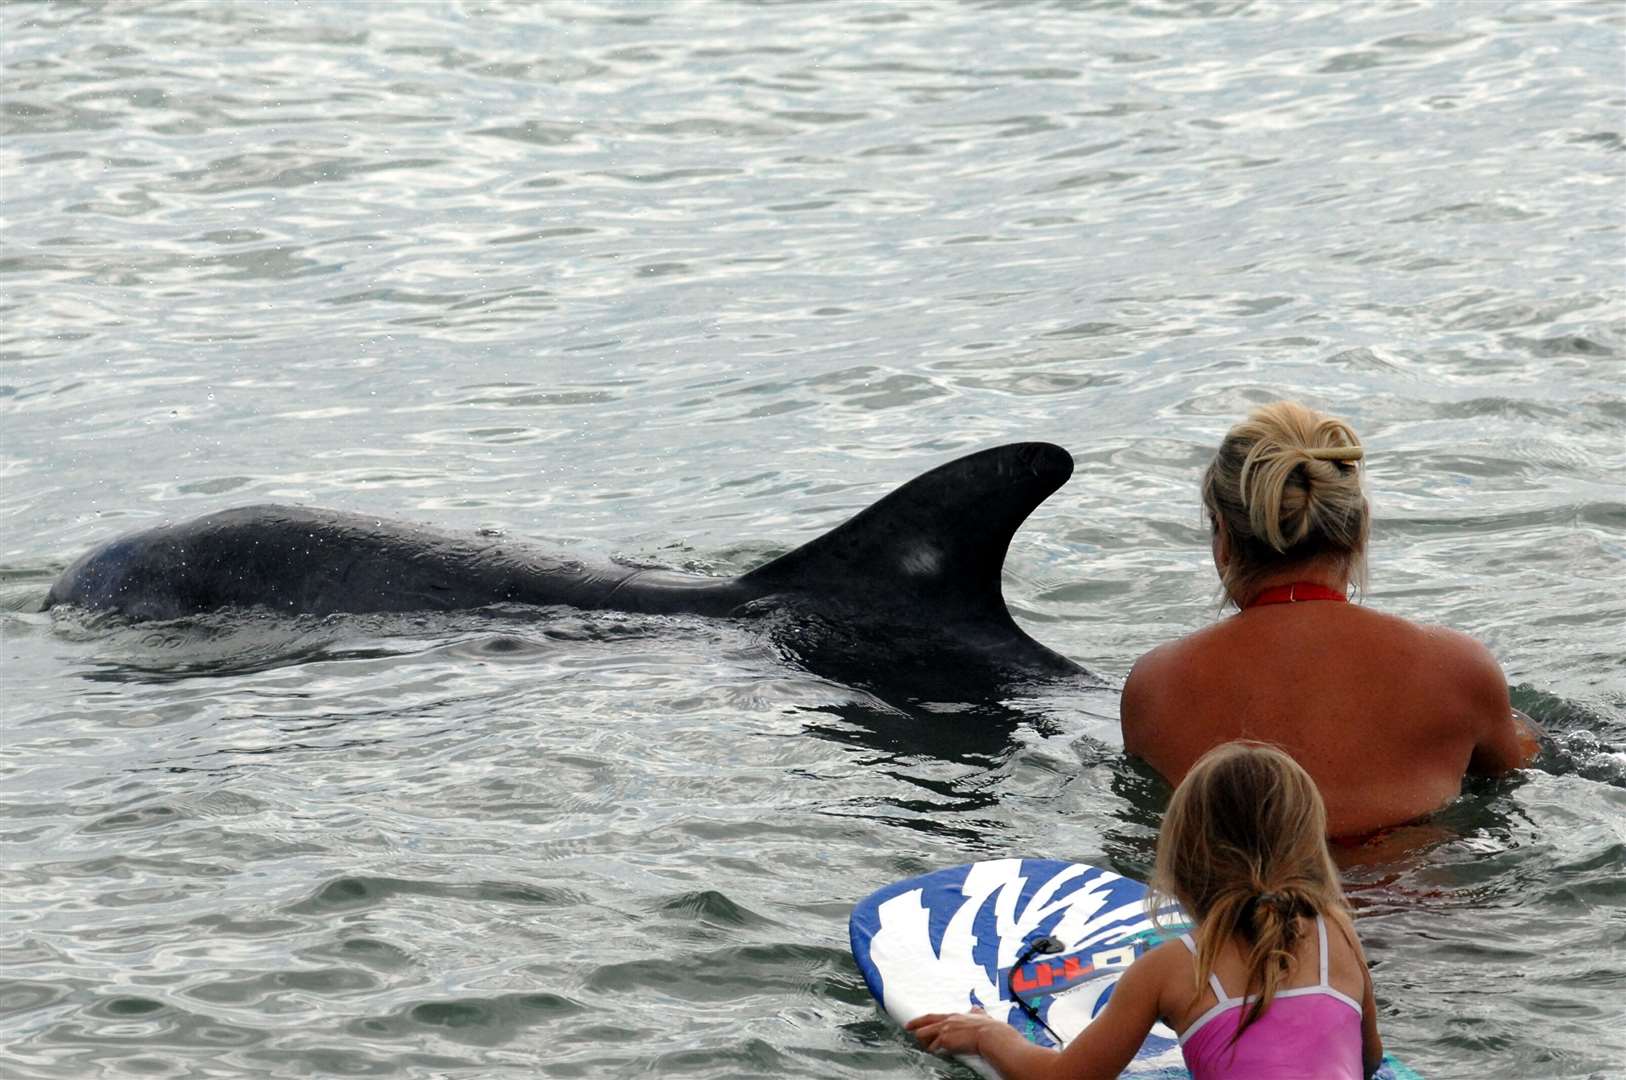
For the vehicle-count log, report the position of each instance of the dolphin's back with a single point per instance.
(309, 561)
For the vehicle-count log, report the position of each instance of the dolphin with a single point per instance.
(906, 592)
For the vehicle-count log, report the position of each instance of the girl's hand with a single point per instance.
(952, 1033)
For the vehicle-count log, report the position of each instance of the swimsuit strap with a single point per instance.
(1321, 934)
(1297, 593)
(1213, 980)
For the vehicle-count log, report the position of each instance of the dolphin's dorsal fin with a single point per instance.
(937, 543)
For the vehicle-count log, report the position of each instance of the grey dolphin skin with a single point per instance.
(910, 584)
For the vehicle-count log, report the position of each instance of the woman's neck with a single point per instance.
(1330, 576)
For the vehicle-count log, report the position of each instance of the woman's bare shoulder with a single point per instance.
(1450, 651)
(1437, 643)
(1158, 689)
(1177, 652)
(1150, 676)
(1454, 671)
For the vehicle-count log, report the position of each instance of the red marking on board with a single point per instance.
(1058, 973)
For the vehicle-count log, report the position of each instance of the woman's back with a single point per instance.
(1384, 714)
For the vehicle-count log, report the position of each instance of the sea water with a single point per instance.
(687, 284)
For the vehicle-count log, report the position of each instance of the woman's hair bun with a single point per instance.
(1285, 487)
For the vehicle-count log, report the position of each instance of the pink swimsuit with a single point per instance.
(1308, 1033)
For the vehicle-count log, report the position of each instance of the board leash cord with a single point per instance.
(1043, 946)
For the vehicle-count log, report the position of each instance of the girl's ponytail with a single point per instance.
(1273, 926)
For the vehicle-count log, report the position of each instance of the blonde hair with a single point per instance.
(1285, 486)
(1243, 849)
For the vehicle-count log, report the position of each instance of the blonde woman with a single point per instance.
(1387, 715)
(1272, 983)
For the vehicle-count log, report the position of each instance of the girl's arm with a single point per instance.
(1101, 1050)
(1371, 1041)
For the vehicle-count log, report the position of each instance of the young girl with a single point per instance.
(1271, 986)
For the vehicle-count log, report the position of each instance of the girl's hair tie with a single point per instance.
(1276, 900)
(1335, 453)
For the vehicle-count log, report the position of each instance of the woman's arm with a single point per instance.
(1139, 707)
(1101, 1050)
(1506, 738)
